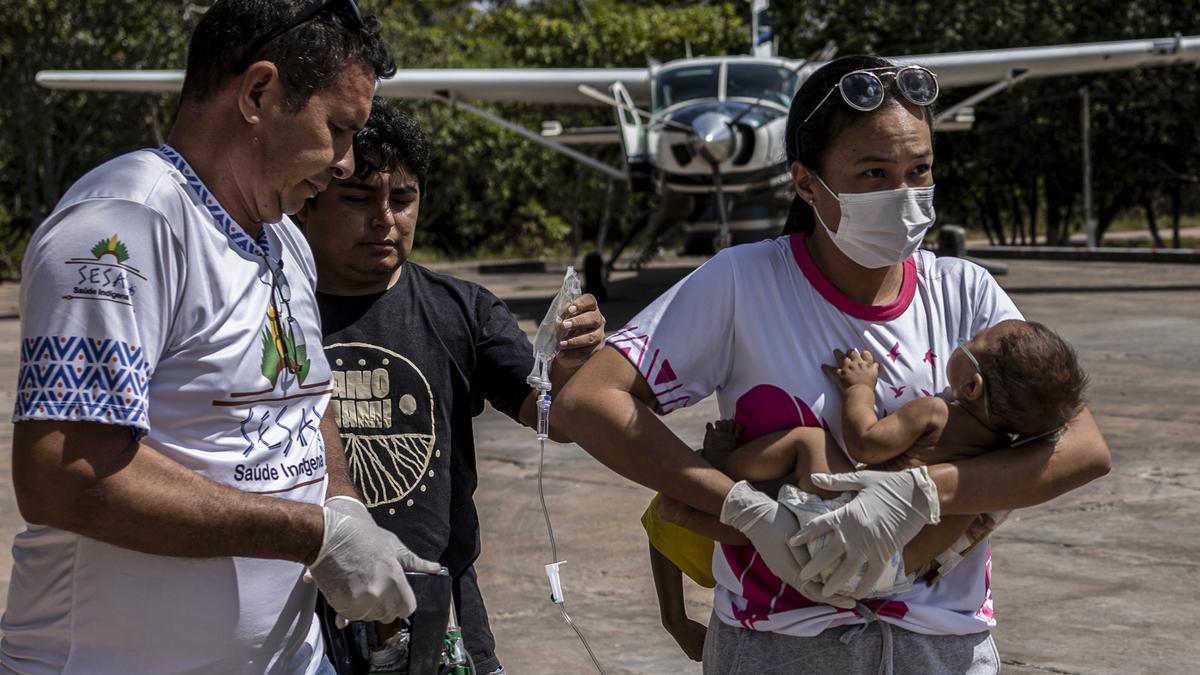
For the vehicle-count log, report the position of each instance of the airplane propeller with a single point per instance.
(713, 136)
(714, 139)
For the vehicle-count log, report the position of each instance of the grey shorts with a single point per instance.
(737, 651)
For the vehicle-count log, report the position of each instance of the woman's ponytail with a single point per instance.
(800, 218)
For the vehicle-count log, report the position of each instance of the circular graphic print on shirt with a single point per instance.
(383, 406)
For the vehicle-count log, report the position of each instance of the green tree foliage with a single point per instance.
(489, 190)
(1016, 174)
(48, 139)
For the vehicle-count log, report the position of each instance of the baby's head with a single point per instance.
(1029, 377)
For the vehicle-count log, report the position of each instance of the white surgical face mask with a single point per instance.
(881, 229)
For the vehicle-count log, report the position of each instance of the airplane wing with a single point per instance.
(149, 81)
(957, 69)
(527, 85)
(560, 85)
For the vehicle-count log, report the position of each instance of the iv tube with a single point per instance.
(560, 601)
(545, 348)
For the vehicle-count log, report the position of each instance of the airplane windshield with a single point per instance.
(685, 84)
(755, 80)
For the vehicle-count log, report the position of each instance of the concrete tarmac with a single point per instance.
(1105, 579)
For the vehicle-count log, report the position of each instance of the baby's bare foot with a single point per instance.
(720, 439)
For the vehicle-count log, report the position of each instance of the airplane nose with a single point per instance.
(713, 137)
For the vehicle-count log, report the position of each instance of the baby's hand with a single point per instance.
(854, 368)
(688, 634)
(720, 439)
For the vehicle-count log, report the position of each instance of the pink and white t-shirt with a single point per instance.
(754, 325)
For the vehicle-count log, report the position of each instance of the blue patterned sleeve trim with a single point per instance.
(76, 379)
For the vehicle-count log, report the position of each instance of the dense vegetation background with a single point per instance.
(1015, 176)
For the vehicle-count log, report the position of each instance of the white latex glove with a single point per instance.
(890, 509)
(361, 566)
(769, 526)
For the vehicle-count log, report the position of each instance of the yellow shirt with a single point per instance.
(692, 553)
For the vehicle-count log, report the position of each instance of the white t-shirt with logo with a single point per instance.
(145, 305)
(754, 325)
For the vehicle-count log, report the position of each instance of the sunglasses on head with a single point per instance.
(287, 328)
(864, 90)
(313, 8)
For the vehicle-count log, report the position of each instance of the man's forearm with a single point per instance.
(336, 465)
(1026, 476)
(95, 480)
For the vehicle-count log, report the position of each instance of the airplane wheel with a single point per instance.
(593, 276)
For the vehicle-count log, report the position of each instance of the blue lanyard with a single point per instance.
(256, 247)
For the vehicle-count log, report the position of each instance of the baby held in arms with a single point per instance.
(1012, 383)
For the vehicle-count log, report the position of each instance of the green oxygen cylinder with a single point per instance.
(456, 653)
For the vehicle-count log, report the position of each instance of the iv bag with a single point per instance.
(545, 342)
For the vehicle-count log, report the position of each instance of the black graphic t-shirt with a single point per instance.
(411, 367)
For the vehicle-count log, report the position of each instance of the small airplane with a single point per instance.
(706, 134)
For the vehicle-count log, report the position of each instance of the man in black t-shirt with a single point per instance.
(414, 356)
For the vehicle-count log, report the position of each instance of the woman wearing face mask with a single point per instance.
(755, 324)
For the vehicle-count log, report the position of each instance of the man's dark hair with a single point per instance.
(1033, 380)
(809, 142)
(391, 140)
(309, 57)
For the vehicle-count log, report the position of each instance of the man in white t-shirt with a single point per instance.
(171, 453)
